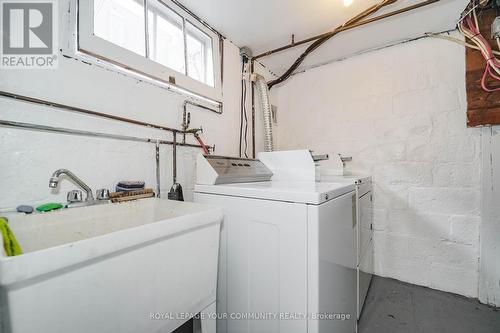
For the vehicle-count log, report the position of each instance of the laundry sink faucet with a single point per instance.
(54, 181)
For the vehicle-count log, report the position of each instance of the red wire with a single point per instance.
(490, 58)
(202, 144)
(487, 71)
(493, 75)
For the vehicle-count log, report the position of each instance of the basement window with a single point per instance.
(153, 38)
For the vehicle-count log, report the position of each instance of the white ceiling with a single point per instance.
(263, 25)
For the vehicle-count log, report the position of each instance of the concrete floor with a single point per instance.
(396, 307)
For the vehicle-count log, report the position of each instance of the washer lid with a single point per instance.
(355, 179)
(300, 192)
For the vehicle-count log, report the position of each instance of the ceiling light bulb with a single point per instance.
(347, 3)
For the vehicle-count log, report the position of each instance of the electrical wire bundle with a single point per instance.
(469, 27)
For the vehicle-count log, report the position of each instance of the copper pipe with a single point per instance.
(347, 27)
(63, 130)
(157, 159)
(197, 18)
(85, 111)
(316, 44)
(201, 106)
(186, 117)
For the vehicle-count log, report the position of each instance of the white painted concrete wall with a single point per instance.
(401, 113)
(489, 282)
(29, 158)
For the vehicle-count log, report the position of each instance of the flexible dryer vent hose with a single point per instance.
(263, 92)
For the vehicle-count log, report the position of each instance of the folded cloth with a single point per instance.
(125, 189)
(131, 184)
(10, 243)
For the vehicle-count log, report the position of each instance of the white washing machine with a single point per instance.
(288, 257)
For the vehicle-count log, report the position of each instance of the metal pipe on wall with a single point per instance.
(62, 130)
(65, 107)
(347, 27)
(186, 116)
(174, 159)
(197, 18)
(316, 44)
(201, 106)
(157, 157)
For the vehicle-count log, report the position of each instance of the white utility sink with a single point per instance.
(134, 267)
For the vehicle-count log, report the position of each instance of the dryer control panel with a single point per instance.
(213, 170)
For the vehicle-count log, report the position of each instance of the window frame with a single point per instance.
(166, 18)
(204, 45)
(89, 43)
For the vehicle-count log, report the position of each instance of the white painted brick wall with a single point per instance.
(400, 112)
(445, 200)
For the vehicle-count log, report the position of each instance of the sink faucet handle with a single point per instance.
(75, 196)
(102, 194)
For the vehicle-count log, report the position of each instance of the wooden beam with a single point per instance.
(483, 108)
(482, 117)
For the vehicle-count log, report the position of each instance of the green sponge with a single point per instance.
(48, 207)
(10, 243)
